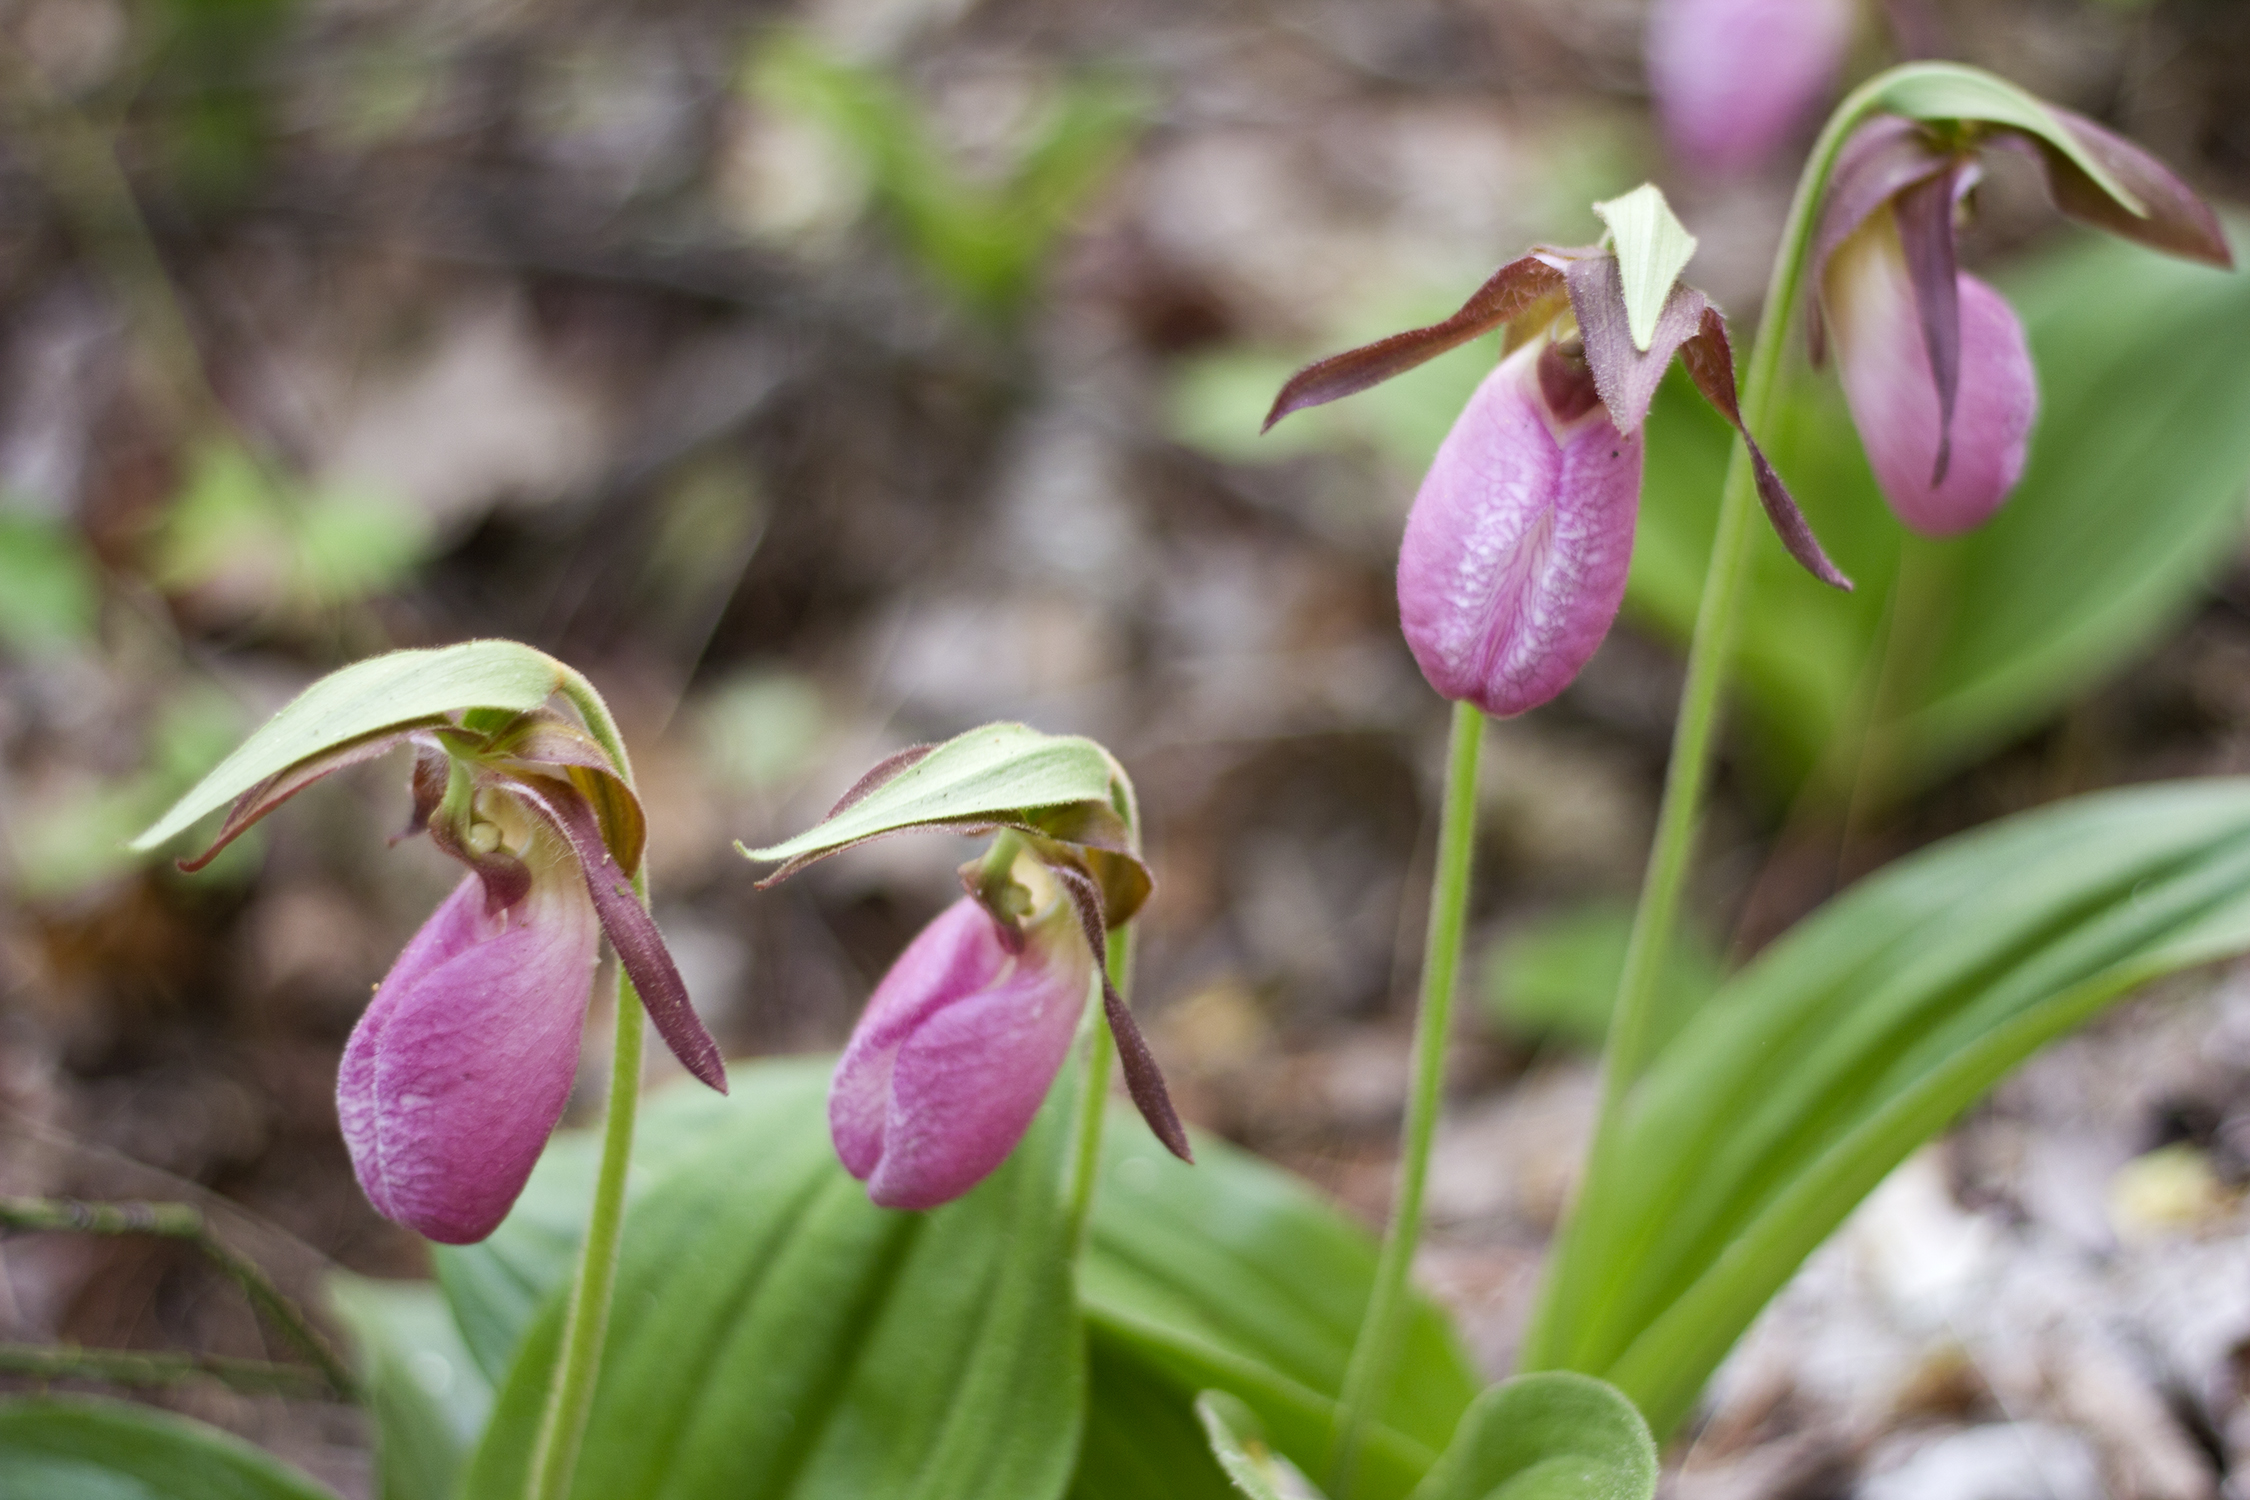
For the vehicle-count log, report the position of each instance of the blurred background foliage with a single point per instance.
(825, 377)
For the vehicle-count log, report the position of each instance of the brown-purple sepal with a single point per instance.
(1885, 157)
(2178, 223)
(1627, 376)
(632, 931)
(432, 769)
(1144, 1080)
(1924, 213)
(1709, 357)
(1516, 289)
(282, 785)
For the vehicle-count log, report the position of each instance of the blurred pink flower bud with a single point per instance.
(1734, 80)
(1514, 559)
(956, 1051)
(460, 1067)
(1883, 357)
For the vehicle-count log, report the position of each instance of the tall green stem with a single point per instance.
(570, 1396)
(1710, 654)
(1093, 1091)
(1375, 1351)
(1101, 1047)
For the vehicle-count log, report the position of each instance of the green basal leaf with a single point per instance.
(775, 1334)
(362, 699)
(50, 582)
(1234, 1258)
(1863, 1032)
(1653, 248)
(1230, 1274)
(1238, 1442)
(1939, 91)
(1142, 1442)
(1557, 978)
(1556, 1436)
(497, 1285)
(82, 1448)
(1300, 1422)
(427, 1395)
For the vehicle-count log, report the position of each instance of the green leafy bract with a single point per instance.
(1652, 247)
(1555, 1436)
(81, 1448)
(775, 1334)
(1061, 788)
(362, 699)
(1938, 91)
(1863, 1032)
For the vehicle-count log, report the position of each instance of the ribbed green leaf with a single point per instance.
(1555, 1436)
(1873, 1024)
(497, 1286)
(1231, 1259)
(80, 1448)
(361, 699)
(1142, 1442)
(1229, 1273)
(777, 1335)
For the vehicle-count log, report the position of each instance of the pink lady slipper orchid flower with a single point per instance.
(1934, 363)
(962, 1040)
(957, 1049)
(1734, 81)
(963, 1037)
(459, 1069)
(1514, 560)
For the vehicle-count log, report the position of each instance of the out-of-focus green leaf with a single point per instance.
(1556, 1436)
(49, 585)
(80, 1448)
(237, 530)
(428, 1398)
(1558, 977)
(775, 1334)
(61, 844)
(1875, 1022)
(762, 731)
(364, 698)
(986, 242)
